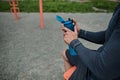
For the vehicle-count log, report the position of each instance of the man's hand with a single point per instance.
(75, 23)
(69, 35)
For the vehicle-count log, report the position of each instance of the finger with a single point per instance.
(75, 29)
(66, 29)
(63, 28)
(74, 21)
(64, 34)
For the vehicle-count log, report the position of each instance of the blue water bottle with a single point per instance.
(69, 24)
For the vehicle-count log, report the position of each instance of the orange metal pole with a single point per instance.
(41, 14)
(14, 8)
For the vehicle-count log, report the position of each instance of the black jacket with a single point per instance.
(104, 63)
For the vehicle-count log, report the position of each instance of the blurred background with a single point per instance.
(28, 52)
(63, 5)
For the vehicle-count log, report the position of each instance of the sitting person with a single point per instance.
(100, 64)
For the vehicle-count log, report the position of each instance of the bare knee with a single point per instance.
(64, 55)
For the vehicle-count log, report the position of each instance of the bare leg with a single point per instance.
(66, 63)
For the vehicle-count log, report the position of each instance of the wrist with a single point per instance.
(72, 40)
(74, 43)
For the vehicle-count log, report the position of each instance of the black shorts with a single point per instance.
(73, 59)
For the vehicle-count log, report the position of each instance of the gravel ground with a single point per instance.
(28, 52)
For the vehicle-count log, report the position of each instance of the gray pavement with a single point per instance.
(29, 53)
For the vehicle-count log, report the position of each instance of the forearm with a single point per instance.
(95, 37)
(100, 63)
(89, 58)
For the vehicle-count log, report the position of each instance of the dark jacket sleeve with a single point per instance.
(105, 64)
(95, 37)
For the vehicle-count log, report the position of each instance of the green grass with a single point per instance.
(60, 6)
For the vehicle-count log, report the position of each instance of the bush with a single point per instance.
(60, 6)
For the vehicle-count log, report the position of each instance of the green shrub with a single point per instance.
(60, 6)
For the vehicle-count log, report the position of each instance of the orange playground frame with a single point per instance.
(15, 9)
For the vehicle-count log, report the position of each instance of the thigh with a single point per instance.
(73, 60)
